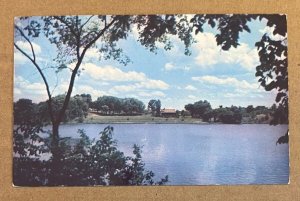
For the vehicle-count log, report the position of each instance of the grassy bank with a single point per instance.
(147, 118)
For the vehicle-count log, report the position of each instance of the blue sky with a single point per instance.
(221, 77)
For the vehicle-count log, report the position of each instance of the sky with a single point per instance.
(220, 77)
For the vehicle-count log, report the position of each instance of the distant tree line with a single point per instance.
(235, 115)
(202, 109)
(110, 105)
(77, 108)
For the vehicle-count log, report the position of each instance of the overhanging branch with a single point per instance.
(33, 61)
(27, 39)
(74, 73)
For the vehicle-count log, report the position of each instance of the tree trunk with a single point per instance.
(56, 156)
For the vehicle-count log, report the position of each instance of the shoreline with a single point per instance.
(146, 119)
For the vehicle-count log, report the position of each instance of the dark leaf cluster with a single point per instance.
(87, 162)
(110, 105)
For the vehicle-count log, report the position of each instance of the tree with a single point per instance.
(182, 113)
(154, 106)
(272, 70)
(228, 115)
(24, 110)
(249, 108)
(105, 109)
(114, 104)
(151, 106)
(89, 162)
(200, 109)
(28, 126)
(158, 107)
(74, 35)
(190, 107)
(86, 98)
(77, 108)
(132, 105)
(207, 115)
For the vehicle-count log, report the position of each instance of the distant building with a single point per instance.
(168, 113)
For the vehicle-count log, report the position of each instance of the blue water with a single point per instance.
(204, 154)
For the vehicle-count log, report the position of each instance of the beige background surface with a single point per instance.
(11, 8)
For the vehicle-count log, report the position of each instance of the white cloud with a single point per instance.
(190, 88)
(110, 73)
(208, 53)
(206, 49)
(124, 88)
(36, 91)
(24, 89)
(137, 80)
(232, 95)
(171, 66)
(35, 86)
(17, 91)
(62, 87)
(192, 97)
(19, 58)
(83, 89)
(243, 55)
(25, 46)
(132, 81)
(21, 82)
(147, 84)
(91, 55)
(158, 93)
(228, 81)
(153, 84)
(151, 94)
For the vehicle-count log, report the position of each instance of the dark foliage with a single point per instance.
(200, 109)
(233, 114)
(110, 105)
(27, 127)
(154, 106)
(39, 113)
(86, 162)
(272, 71)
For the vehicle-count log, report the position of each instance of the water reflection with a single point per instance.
(204, 154)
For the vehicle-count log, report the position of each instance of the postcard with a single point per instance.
(181, 99)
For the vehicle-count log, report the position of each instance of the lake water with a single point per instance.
(203, 154)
